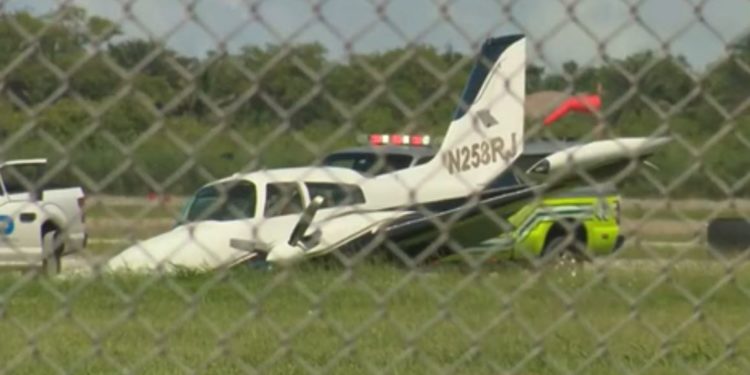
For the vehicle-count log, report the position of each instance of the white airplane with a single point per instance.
(287, 215)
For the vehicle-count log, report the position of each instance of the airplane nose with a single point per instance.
(285, 255)
(181, 247)
(154, 252)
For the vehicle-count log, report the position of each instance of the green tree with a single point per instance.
(534, 78)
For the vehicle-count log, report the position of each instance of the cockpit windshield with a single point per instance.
(222, 202)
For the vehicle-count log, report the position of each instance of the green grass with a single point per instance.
(380, 317)
(126, 230)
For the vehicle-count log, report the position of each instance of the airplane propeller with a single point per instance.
(255, 248)
(308, 214)
(305, 220)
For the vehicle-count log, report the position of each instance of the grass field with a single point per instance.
(647, 309)
(377, 317)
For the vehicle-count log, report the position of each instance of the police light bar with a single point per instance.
(399, 140)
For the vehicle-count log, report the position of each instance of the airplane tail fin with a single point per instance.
(487, 131)
(484, 138)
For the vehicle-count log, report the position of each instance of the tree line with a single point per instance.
(125, 115)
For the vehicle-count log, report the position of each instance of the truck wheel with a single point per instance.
(51, 253)
(562, 251)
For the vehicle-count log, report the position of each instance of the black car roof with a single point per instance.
(531, 148)
(390, 150)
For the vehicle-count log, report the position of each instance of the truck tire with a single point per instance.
(51, 252)
(559, 251)
(565, 246)
(728, 234)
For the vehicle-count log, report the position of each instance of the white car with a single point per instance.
(32, 209)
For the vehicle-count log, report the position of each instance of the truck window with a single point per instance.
(283, 199)
(361, 162)
(222, 202)
(395, 162)
(369, 162)
(524, 162)
(506, 180)
(22, 178)
(336, 194)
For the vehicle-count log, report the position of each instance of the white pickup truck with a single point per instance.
(32, 209)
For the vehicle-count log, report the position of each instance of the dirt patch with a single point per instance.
(663, 228)
(539, 104)
(738, 205)
(119, 201)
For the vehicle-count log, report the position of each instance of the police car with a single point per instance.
(386, 153)
(583, 220)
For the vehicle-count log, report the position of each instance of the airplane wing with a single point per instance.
(440, 229)
(424, 234)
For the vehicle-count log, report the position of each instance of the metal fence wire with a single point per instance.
(384, 187)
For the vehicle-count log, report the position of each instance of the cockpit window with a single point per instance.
(283, 199)
(223, 202)
(336, 194)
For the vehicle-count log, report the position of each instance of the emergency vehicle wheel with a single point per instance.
(51, 253)
(563, 250)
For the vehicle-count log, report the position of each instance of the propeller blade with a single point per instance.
(305, 220)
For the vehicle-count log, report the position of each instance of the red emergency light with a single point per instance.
(399, 140)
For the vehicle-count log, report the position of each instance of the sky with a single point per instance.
(558, 30)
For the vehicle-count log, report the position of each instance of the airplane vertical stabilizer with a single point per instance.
(484, 137)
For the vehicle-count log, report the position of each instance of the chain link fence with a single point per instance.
(119, 117)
